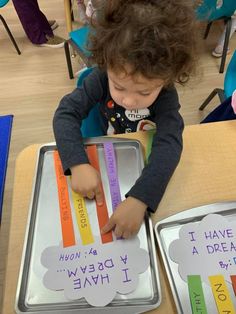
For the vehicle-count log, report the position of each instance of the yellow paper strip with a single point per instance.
(221, 295)
(82, 219)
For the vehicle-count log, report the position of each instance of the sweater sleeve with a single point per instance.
(165, 153)
(73, 108)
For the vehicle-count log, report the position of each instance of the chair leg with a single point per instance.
(207, 30)
(226, 44)
(221, 94)
(68, 59)
(10, 34)
(209, 98)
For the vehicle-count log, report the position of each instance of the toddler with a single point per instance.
(141, 48)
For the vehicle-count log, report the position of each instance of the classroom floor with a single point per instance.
(32, 84)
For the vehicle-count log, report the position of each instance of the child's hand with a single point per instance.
(87, 181)
(127, 218)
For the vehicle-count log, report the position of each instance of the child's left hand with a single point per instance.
(127, 218)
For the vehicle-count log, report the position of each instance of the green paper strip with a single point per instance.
(196, 294)
(149, 144)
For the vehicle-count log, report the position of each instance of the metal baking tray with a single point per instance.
(167, 231)
(43, 230)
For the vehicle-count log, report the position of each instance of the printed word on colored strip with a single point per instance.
(221, 295)
(82, 219)
(102, 211)
(68, 235)
(196, 295)
(112, 174)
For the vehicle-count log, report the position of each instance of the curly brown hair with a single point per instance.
(156, 38)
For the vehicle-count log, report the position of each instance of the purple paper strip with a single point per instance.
(112, 174)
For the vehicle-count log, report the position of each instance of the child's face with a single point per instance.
(133, 92)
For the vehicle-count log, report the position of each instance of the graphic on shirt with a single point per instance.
(137, 114)
(121, 120)
(110, 104)
(145, 125)
(110, 129)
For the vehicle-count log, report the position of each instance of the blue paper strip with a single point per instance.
(5, 136)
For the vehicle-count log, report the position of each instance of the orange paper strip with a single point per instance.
(67, 228)
(102, 211)
(233, 279)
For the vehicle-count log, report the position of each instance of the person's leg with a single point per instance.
(91, 8)
(217, 52)
(82, 9)
(34, 22)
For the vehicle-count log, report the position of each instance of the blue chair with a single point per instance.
(2, 4)
(210, 11)
(92, 125)
(79, 41)
(229, 84)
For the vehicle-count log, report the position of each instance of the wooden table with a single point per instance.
(206, 174)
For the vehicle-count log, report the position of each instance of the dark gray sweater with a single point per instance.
(167, 141)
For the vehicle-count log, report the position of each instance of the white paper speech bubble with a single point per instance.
(206, 248)
(96, 271)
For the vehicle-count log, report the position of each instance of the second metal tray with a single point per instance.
(167, 231)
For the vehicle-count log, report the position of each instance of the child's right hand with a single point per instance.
(87, 181)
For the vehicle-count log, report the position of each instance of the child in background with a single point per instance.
(141, 49)
(217, 52)
(38, 29)
(82, 11)
(86, 11)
